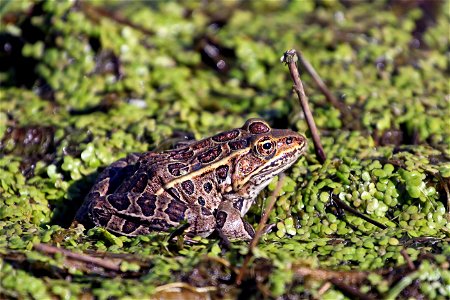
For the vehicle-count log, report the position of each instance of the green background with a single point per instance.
(85, 83)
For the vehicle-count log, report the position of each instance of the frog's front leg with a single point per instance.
(201, 221)
(231, 224)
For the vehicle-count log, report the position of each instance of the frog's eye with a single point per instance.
(265, 147)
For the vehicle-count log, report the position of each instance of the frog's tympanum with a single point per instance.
(210, 184)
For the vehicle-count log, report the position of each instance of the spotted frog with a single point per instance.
(210, 184)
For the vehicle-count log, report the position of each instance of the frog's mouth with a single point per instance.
(262, 178)
(273, 168)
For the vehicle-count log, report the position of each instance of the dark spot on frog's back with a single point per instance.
(258, 127)
(222, 173)
(221, 218)
(129, 227)
(147, 203)
(201, 144)
(226, 136)
(178, 169)
(182, 154)
(188, 187)
(210, 155)
(239, 144)
(175, 211)
(140, 183)
(207, 186)
(158, 224)
(119, 201)
(101, 216)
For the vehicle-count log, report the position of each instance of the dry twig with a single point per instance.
(340, 279)
(290, 58)
(408, 259)
(346, 207)
(354, 277)
(104, 263)
(350, 290)
(260, 229)
(97, 13)
(176, 286)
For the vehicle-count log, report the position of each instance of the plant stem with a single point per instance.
(261, 227)
(290, 58)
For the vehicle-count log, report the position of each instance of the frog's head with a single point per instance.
(270, 152)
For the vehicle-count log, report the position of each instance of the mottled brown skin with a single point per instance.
(211, 183)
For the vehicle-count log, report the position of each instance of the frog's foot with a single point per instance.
(231, 224)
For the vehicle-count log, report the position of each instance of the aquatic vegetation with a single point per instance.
(85, 83)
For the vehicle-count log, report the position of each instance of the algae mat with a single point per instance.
(85, 83)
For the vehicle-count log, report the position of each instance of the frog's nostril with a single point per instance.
(289, 140)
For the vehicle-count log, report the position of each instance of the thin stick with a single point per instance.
(353, 277)
(346, 207)
(346, 113)
(336, 278)
(350, 290)
(96, 13)
(290, 58)
(325, 287)
(408, 259)
(174, 286)
(260, 229)
(104, 263)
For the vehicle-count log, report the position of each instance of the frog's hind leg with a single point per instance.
(107, 181)
(118, 223)
(118, 214)
(136, 214)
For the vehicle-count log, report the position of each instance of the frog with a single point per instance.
(209, 184)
